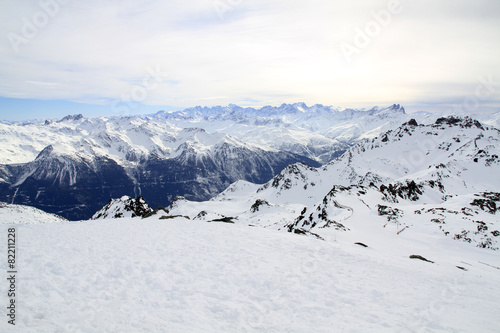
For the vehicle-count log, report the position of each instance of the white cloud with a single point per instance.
(267, 51)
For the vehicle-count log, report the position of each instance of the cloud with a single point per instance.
(253, 50)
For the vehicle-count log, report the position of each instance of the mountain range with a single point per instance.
(398, 233)
(73, 166)
(435, 180)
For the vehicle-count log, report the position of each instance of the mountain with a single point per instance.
(70, 185)
(439, 179)
(72, 167)
(75, 184)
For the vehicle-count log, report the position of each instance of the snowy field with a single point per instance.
(150, 275)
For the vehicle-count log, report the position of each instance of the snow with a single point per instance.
(19, 214)
(291, 127)
(230, 265)
(176, 275)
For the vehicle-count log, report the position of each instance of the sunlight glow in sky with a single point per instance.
(114, 57)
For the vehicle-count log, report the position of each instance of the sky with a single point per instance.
(123, 57)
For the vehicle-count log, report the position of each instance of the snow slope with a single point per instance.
(20, 214)
(152, 275)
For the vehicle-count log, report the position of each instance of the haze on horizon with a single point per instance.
(130, 57)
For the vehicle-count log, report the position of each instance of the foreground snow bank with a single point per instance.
(131, 275)
(20, 214)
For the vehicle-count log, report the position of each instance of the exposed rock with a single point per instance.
(416, 256)
(258, 203)
(124, 207)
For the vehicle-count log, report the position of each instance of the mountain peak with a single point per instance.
(397, 108)
(123, 207)
(45, 152)
(72, 117)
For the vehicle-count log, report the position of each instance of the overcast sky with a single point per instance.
(113, 57)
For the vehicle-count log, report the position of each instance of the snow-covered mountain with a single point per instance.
(441, 177)
(73, 166)
(318, 132)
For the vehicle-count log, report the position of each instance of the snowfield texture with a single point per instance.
(152, 275)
